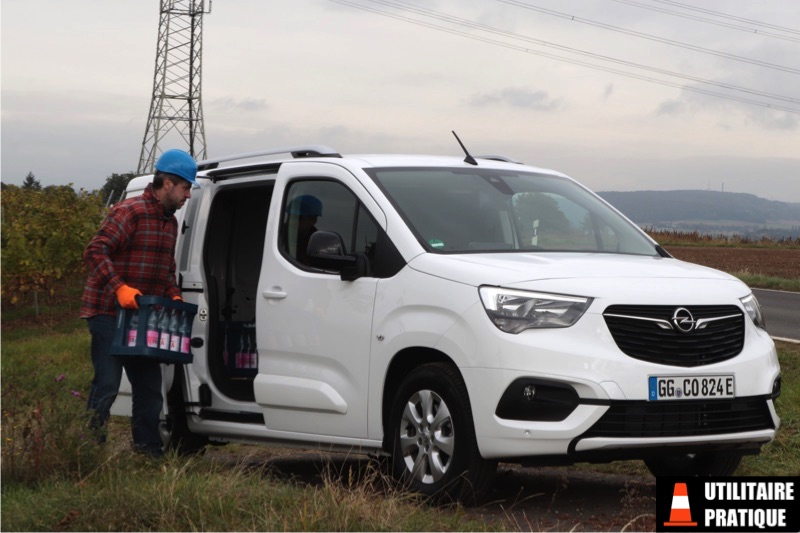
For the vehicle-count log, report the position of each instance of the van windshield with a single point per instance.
(456, 210)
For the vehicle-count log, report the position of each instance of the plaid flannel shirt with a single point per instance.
(134, 246)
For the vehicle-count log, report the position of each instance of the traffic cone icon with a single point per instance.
(680, 514)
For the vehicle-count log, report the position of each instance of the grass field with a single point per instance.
(55, 478)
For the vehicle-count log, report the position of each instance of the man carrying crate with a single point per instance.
(133, 254)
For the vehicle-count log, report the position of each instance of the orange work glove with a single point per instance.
(126, 296)
(177, 299)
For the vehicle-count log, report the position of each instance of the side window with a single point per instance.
(324, 205)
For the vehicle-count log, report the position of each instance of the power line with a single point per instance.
(650, 37)
(748, 29)
(565, 59)
(403, 6)
(731, 17)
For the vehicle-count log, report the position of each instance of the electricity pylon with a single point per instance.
(176, 107)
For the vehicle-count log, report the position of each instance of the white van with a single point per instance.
(455, 314)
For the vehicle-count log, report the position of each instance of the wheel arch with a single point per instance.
(401, 365)
(442, 469)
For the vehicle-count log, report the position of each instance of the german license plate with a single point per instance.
(690, 388)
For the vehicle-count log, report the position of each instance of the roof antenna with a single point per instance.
(469, 159)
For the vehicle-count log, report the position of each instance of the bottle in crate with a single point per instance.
(185, 332)
(163, 329)
(152, 327)
(241, 351)
(133, 328)
(174, 331)
(247, 347)
(253, 348)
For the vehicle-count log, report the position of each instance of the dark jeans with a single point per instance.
(145, 379)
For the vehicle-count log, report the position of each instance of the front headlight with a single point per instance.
(754, 311)
(514, 311)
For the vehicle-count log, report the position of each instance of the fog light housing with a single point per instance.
(534, 399)
(776, 388)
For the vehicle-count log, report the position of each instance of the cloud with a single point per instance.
(245, 105)
(609, 91)
(671, 107)
(775, 120)
(767, 118)
(519, 98)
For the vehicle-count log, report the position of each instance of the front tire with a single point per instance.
(694, 465)
(433, 437)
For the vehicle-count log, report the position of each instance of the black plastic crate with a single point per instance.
(134, 342)
(239, 353)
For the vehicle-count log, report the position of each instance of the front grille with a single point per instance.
(682, 418)
(649, 333)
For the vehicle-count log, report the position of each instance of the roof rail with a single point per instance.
(311, 150)
(499, 158)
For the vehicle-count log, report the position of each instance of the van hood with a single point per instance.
(632, 277)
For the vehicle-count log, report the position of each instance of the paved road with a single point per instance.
(782, 313)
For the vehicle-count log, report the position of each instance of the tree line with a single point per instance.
(110, 192)
(44, 231)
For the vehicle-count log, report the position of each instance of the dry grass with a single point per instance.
(695, 238)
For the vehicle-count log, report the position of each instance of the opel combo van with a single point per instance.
(452, 314)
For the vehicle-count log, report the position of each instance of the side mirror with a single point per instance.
(325, 245)
(326, 251)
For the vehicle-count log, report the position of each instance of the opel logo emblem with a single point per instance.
(682, 320)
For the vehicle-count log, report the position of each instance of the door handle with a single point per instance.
(274, 293)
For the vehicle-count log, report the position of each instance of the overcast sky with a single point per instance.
(77, 81)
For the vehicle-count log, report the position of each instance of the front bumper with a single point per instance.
(613, 417)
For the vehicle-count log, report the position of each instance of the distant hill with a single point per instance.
(708, 212)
